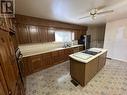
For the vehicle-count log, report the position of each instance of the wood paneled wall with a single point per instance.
(97, 35)
(36, 30)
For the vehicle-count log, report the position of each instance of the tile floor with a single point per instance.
(111, 80)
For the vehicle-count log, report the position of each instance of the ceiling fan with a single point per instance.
(96, 11)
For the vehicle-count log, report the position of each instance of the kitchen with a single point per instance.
(47, 53)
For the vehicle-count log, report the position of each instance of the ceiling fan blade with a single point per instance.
(101, 7)
(104, 12)
(84, 17)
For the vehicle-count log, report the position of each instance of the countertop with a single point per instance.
(91, 56)
(37, 52)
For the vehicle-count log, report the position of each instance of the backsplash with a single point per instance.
(43, 46)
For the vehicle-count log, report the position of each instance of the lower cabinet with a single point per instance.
(35, 63)
(46, 60)
(58, 56)
(68, 52)
(55, 57)
(84, 72)
(91, 70)
(19, 88)
(102, 61)
(42, 61)
(81, 48)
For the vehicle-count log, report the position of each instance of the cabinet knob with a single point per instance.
(10, 92)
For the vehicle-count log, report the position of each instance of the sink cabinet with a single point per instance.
(42, 61)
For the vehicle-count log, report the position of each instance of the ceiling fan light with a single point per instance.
(93, 17)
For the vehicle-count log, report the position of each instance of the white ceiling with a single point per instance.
(71, 10)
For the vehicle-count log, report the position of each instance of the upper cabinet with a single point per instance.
(33, 34)
(78, 33)
(51, 35)
(23, 34)
(43, 32)
(35, 30)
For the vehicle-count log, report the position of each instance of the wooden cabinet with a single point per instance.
(61, 56)
(27, 68)
(35, 63)
(81, 48)
(78, 33)
(19, 88)
(34, 34)
(77, 70)
(42, 61)
(47, 60)
(82, 73)
(43, 32)
(75, 49)
(55, 57)
(91, 70)
(3, 86)
(23, 34)
(102, 61)
(51, 35)
(44, 27)
(7, 61)
(58, 56)
(68, 52)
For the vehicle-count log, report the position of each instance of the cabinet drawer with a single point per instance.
(35, 63)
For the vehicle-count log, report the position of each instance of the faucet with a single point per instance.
(67, 44)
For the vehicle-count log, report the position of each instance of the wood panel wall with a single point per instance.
(36, 30)
(97, 35)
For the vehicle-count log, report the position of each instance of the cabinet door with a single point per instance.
(51, 35)
(76, 49)
(6, 61)
(22, 34)
(68, 52)
(61, 56)
(35, 63)
(47, 60)
(34, 34)
(102, 61)
(91, 69)
(3, 86)
(43, 33)
(80, 48)
(19, 88)
(27, 66)
(55, 57)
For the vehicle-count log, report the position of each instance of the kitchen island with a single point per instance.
(84, 65)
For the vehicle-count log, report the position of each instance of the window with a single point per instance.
(64, 36)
